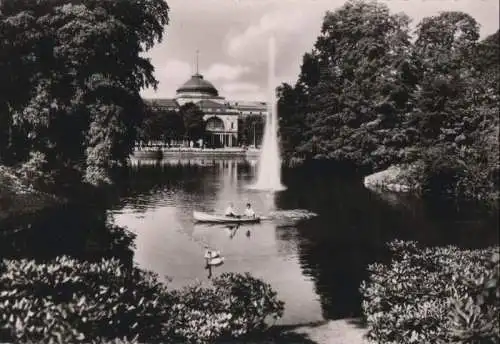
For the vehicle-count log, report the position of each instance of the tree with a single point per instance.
(310, 73)
(173, 125)
(151, 128)
(250, 129)
(456, 112)
(444, 52)
(70, 76)
(194, 125)
(291, 112)
(161, 125)
(294, 102)
(360, 92)
(367, 97)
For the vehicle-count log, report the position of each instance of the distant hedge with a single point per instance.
(69, 301)
(433, 295)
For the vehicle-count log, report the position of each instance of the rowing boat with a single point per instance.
(211, 218)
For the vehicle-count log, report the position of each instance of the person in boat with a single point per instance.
(230, 211)
(249, 211)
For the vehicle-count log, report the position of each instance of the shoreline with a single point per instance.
(17, 199)
(340, 331)
(161, 153)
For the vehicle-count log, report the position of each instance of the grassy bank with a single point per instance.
(18, 198)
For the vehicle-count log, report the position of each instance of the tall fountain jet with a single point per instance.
(269, 166)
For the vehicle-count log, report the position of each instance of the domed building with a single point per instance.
(221, 116)
(195, 89)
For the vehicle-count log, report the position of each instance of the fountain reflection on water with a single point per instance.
(269, 167)
(315, 265)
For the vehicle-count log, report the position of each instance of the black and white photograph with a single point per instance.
(249, 172)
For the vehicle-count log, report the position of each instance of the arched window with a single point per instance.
(214, 124)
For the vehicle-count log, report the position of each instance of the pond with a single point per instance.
(316, 264)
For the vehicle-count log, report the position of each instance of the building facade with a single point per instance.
(220, 115)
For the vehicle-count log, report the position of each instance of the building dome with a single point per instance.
(198, 85)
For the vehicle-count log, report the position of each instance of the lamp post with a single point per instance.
(253, 125)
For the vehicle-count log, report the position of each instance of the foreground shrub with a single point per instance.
(233, 306)
(69, 301)
(433, 295)
(474, 318)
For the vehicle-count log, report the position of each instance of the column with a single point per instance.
(230, 140)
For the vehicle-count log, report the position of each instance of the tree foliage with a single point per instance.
(291, 117)
(194, 125)
(70, 76)
(352, 83)
(250, 129)
(370, 96)
(161, 125)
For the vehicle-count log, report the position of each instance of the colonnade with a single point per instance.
(226, 140)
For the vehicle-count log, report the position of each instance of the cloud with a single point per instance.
(174, 70)
(170, 75)
(174, 73)
(251, 43)
(220, 71)
(242, 91)
(232, 38)
(240, 87)
(246, 96)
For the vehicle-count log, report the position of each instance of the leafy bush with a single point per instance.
(433, 295)
(249, 300)
(233, 306)
(474, 317)
(68, 301)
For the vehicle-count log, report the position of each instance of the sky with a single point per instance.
(232, 39)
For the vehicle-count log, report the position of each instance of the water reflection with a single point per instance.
(83, 232)
(315, 264)
(169, 243)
